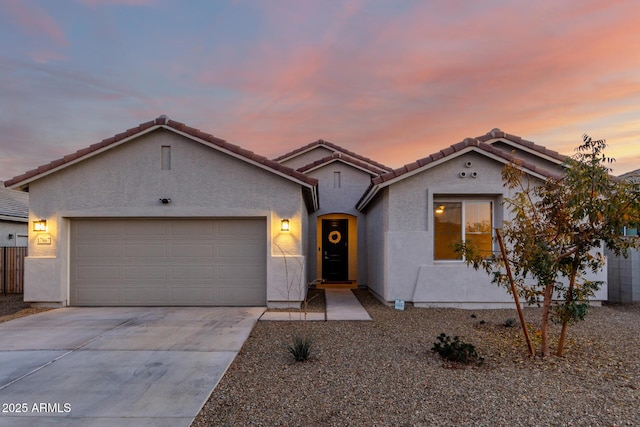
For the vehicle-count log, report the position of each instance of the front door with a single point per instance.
(335, 263)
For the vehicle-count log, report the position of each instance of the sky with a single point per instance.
(391, 80)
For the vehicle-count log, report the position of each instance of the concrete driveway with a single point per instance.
(129, 366)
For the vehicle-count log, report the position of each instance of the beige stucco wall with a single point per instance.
(410, 272)
(127, 181)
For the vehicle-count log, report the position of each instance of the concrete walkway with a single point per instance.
(127, 366)
(341, 304)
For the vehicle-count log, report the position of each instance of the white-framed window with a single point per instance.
(455, 221)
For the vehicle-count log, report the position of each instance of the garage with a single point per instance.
(168, 262)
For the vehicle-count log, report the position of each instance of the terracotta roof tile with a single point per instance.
(162, 121)
(479, 142)
(332, 146)
(497, 133)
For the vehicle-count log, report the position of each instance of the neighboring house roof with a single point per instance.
(342, 158)
(14, 205)
(480, 145)
(163, 122)
(633, 175)
(333, 147)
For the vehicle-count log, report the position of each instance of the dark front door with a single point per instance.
(335, 265)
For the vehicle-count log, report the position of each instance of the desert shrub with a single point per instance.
(301, 347)
(456, 350)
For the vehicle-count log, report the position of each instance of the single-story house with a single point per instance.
(624, 273)
(165, 214)
(14, 217)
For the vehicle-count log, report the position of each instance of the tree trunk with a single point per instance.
(565, 321)
(544, 327)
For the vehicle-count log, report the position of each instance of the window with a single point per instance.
(449, 217)
(336, 180)
(166, 157)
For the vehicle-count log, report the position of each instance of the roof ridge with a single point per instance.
(344, 158)
(321, 142)
(163, 121)
(448, 151)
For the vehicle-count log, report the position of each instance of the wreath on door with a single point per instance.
(335, 237)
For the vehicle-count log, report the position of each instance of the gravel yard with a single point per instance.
(383, 373)
(13, 306)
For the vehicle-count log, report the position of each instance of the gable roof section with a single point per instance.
(308, 184)
(333, 147)
(14, 205)
(468, 145)
(339, 157)
(515, 141)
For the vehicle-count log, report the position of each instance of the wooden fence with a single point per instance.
(12, 269)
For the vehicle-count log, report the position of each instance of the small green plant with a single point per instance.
(509, 323)
(301, 348)
(456, 350)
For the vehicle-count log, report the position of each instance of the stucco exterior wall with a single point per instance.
(377, 251)
(18, 231)
(128, 181)
(339, 198)
(411, 273)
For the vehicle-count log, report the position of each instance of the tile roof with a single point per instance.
(497, 133)
(14, 204)
(164, 122)
(345, 159)
(478, 144)
(633, 175)
(332, 146)
(481, 144)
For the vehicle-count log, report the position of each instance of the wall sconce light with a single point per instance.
(440, 210)
(40, 225)
(284, 225)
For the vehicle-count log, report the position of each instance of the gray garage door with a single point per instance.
(174, 262)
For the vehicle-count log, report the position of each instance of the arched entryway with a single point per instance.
(337, 238)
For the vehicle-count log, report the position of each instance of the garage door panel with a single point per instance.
(93, 250)
(240, 250)
(106, 230)
(146, 295)
(97, 273)
(146, 229)
(193, 229)
(242, 273)
(154, 272)
(185, 250)
(146, 250)
(168, 262)
(192, 273)
(88, 296)
(237, 230)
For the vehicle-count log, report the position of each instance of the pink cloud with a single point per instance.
(97, 3)
(35, 21)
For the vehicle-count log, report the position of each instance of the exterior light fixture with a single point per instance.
(284, 225)
(440, 209)
(40, 225)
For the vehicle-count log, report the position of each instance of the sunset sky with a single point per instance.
(391, 80)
